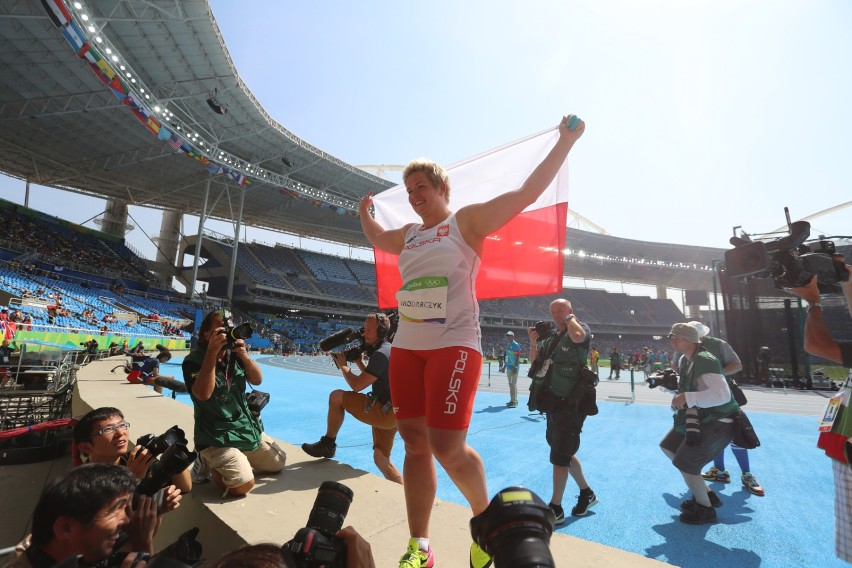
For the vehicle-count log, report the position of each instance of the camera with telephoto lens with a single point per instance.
(316, 544)
(667, 378)
(515, 529)
(91, 346)
(349, 334)
(174, 457)
(235, 332)
(789, 261)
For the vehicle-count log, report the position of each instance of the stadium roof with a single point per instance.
(64, 127)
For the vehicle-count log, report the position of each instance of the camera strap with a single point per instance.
(548, 355)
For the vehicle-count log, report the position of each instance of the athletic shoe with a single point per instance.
(325, 448)
(690, 503)
(416, 558)
(750, 483)
(585, 499)
(698, 515)
(200, 471)
(478, 557)
(559, 513)
(512, 404)
(714, 474)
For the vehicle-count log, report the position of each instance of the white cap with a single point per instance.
(700, 328)
(512, 333)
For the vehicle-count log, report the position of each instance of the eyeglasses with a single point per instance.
(107, 430)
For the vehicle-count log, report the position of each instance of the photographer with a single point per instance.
(819, 342)
(565, 354)
(703, 426)
(228, 435)
(83, 514)
(731, 365)
(149, 369)
(103, 436)
(374, 408)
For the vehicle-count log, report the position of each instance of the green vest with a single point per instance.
(224, 420)
(568, 359)
(702, 363)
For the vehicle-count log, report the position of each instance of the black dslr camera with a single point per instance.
(544, 329)
(235, 332)
(91, 346)
(789, 261)
(667, 378)
(316, 544)
(175, 458)
(515, 529)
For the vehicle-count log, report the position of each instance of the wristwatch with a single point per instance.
(814, 305)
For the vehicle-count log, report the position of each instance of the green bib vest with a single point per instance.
(224, 420)
(702, 362)
(568, 359)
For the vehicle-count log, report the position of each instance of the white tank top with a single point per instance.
(437, 301)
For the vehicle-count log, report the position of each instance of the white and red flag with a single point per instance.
(524, 258)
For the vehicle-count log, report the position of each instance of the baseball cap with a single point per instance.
(512, 333)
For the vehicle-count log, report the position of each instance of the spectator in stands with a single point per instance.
(4, 314)
(614, 363)
(228, 435)
(820, 343)
(702, 424)
(434, 343)
(731, 365)
(566, 351)
(84, 513)
(513, 361)
(5, 362)
(103, 436)
(27, 323)
(374, 409)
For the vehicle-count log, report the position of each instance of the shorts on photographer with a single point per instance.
(563, 435)
(371, 411)
(715, 437)
(235, 466)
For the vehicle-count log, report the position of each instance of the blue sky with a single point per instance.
(701, 115)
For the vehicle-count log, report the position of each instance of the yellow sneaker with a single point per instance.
(416, 558)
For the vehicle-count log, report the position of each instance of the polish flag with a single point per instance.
(523, 258)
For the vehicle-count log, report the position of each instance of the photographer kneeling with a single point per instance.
(228, 435)
(375, 408)
(702, 423)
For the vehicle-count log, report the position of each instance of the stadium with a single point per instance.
(139, 103)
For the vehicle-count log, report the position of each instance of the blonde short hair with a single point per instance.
(436, 174)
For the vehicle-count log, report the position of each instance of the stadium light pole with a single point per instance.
(201, 219)
(236, 247)
(716, 297)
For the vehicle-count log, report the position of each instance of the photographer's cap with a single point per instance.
(700, 328)
(512, 333)
(686, 332)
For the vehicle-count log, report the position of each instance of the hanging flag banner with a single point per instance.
(524, 257)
